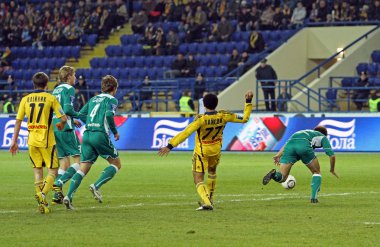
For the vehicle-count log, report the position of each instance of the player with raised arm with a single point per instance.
(208, 143)
(301, 146)
(100, 111)
(38, 108)
(67, 141)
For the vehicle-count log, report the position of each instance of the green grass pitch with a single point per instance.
(152, 201)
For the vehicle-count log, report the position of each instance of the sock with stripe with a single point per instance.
(203, 193)
(277, 177)
(48, 183)
(75, 182)
(67, 175)
(60, 174)
(211, 184)
(107, 174)
(39, 185)
(315, 185)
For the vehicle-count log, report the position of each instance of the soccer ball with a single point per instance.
(289, 183)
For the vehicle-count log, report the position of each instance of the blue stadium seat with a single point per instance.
(112, 62)
(124, 39)
(149, 61)
(75, 52)
(94, 63)
(142, 72)
(42, 63)
(202, 48)
(102, 62)
(376, 81)
(137, 50)
(361, 67)
(39, 53)
(265, 35)
(214, 60)
(152, 74)
(124, 73)
(59, 62)
(115, 72)
(133, 73)
(211, 47)
(87, 73)
(96, 73)
(169, 60)
(221, 48)
(92, 39)
(275, 35)
(129, 62)
(158, 61)
(139, 62)
(224, 60)
(57, 51)
(373, 69)
(193, 48)
(183, 48)
(331, 96)
(110, 51)
(229, 47)
(376, 56)
(120, 62)
(31, 52)
(127, 50)
(48, 51)
(18, 74)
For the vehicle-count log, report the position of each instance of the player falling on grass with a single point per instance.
(38, 108)
(208, 143)
(100, 112)
(301, 146)
(67, 141)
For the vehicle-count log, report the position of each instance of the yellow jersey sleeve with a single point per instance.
(21, 110)
(191, 128)
(233, 117)
(57, 108)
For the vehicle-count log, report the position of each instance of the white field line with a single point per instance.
(371, 223)
(218, 195)
(271, 197)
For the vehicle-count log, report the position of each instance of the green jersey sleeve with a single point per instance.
(113, 103)
(327, 146)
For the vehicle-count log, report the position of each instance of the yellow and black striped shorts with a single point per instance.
(201, 164)
(43, 157)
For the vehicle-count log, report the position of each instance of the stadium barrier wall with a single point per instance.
(262, 133)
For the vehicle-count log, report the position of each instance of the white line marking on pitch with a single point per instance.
(371, 223)
(271, 198)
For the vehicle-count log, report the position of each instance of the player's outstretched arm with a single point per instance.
(332, 166)
(164, 151)
(14, 145)
(277, 157)
(235, 118)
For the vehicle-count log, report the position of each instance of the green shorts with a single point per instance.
(67, 143)
(297, 149)
(96, 144)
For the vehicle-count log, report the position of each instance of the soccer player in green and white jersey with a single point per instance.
(301, 146)
(67, 142)
(100, 112)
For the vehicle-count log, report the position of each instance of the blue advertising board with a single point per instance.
(259, 134)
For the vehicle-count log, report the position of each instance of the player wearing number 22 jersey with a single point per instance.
(39, 107)
(208, 143)
(100, 112)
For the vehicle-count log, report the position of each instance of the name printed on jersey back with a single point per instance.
(32, 99)
(213, 121)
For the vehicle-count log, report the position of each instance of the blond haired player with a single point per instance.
(208, 143)
(39, 107)
(67, 141)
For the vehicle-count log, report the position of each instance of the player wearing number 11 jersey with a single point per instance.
(208, 143)
(39, 107)
(100, 112)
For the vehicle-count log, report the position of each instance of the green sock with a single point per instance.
(68, 175)
(107, 174)
(75, 182)
(277, 177)
(315, 185)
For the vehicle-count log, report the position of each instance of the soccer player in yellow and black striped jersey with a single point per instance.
(208, 143)
(39, 107)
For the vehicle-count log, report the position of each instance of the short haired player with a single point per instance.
(300, 146)
(100, 111)
(208, 143)
(38, 108)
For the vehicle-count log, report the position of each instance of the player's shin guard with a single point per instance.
(68, 175)
(60, 174)
(315, 185)
(277, 177)
(75, 182)
(211, 185)
(48, 183)
(39, 186)
(107, 174)
(203, 193)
